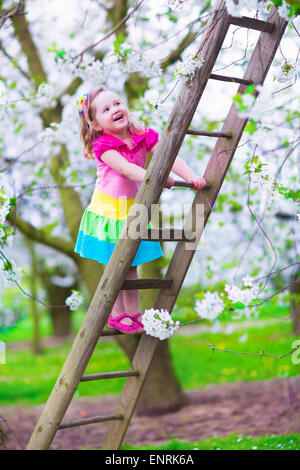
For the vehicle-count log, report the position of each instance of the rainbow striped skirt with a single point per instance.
(101, 225)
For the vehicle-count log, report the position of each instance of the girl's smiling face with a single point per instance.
(110, 114)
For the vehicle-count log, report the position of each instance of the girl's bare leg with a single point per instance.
(131, 298)
(119, 308)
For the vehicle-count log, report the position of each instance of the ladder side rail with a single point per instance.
(172, 137)
(216, 170)
(224, 149)
(124, 252)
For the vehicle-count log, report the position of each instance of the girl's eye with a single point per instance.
(106, 109)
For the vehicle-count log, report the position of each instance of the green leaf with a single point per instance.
(251, 126)
(48, 228)
(17, 130)
(238, 305)
(60, 53)
(118, 42)
(12, 201)
(249, 90)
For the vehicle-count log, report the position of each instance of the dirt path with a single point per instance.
(246, 408)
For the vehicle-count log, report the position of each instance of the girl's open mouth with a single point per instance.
(118, 117)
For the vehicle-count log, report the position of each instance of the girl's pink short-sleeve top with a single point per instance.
(110, 181)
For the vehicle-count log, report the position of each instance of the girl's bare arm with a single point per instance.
(115, 160)
(181, 169)
(134, 172)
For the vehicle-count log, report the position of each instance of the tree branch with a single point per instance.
(23, 35)
(40, 236)
(11, 12)
(252, 354)
(115, 29)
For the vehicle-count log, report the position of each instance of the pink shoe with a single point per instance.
(115, 322)
(135, 318)
(139, 324)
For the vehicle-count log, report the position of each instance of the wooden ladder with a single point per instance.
(113, 278)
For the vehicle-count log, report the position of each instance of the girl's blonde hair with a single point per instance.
(88, 134)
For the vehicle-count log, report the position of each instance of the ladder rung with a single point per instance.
(129, 284)
(109, 375)
(168, 234)
(114, 332)
(252, 23)
(210, 134)
(185, 184)
(95, 419)
(111, 332)
(225, 78)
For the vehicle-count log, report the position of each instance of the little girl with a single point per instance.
(120, 144)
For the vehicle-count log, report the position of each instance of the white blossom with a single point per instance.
(262, 176)
(4, 209)
(178, 5)
(45, 90)
(186, 68)
(210, 307)
(162, 108)
(11, 273)
(87, 68)
(298, 216)
(287, 73)
(74, 300)
(248, 281)
(139, 62)
(159, 323)
(3, 103)
(243, 338)
(284, 11)
(49, 134)
(235, 294)
(5, 195)
(238, 7)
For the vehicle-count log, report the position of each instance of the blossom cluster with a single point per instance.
(132, 61)
(46, 91)
(74, 300)
(235, 8)
(210, 307)
(186, 68)
(87, 68)
(8, 317)
(262, 177)
(287, 73)
(3, 103)
(159, 323)
(11, 273)
(59, 131)
(178, 5)
(162, 108)
(240, 7)
(139, 63)
(5, 203)
(245, 296)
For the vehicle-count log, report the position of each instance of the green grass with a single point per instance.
(232, 442)
(183, 311)
(26, 378)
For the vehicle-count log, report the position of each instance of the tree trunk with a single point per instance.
(161, 376)
(161, 392)
(295, 302)
(56, 295)
(35, 316)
